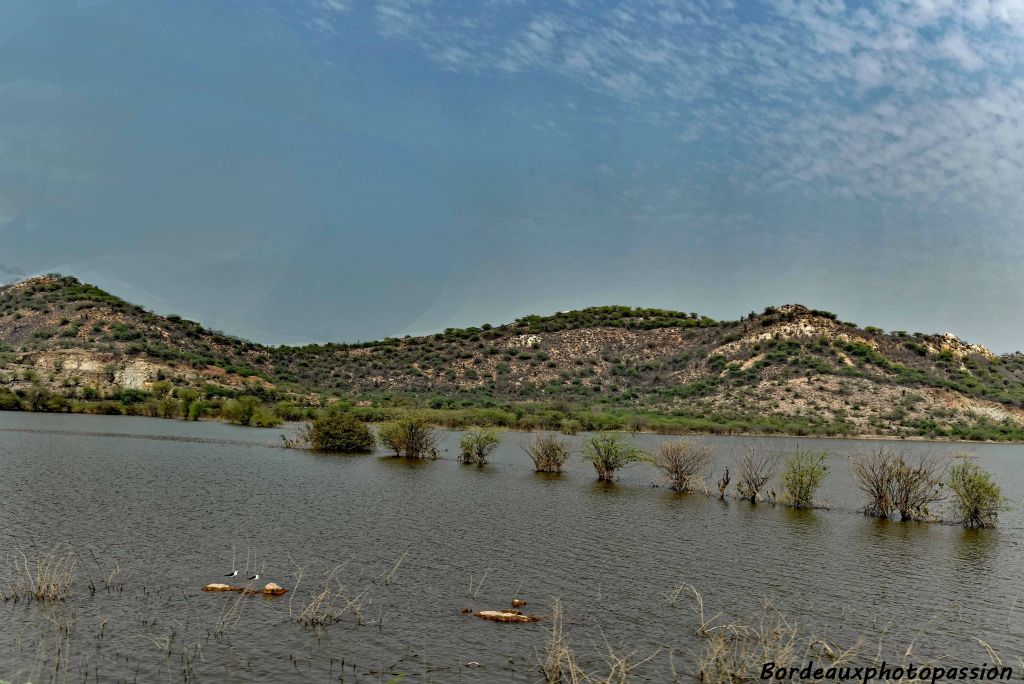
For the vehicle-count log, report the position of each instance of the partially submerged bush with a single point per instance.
(548, 452)
(608, 453)
(802, 475)
(685, 464)
(476, 445)
(410, 436)
(756, 468)
(916, 484)
(340, 432)
(977, 497)
(893, 481)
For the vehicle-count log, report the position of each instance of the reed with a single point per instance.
(48, 578)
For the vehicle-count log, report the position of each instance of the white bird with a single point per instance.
(233, 574)
(254, 577)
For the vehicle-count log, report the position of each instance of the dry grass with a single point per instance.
(560, 665)
(333, 602)
(49, 578)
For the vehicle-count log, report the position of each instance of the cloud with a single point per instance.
(914, 99)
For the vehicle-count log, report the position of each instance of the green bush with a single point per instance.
(9, 401)
(410, 436)
(477, 445)
(240, 411)
(608, 453)
(977, 497)
(548, 453)
(340, 432)
(802, 475)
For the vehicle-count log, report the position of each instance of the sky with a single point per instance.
(293, 171)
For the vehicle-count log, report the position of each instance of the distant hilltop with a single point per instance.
(786, 369)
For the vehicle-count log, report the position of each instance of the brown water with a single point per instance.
(171, 502)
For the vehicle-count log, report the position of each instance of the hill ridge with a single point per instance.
(789, 368)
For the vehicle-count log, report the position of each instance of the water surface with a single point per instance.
(174, 504)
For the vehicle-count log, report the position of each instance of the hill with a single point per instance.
(65, 345)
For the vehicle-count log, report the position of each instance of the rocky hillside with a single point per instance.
(788, 369)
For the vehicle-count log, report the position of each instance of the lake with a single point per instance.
(174, 505)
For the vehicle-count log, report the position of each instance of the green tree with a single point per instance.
(340, 432)
(241, 410)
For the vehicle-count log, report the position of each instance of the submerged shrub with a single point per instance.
(340, 432)
(685, 464)
(802, 475)
(976, 495)
(872, 473)
(608, 453)
(548, 453)
(893, 481)
(917, 484)
(755, 469)
(476, 445)
(410, 436)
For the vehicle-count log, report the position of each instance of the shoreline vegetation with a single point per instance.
(66, 346)
(270, 415)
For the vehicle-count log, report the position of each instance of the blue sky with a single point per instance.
(316, 170)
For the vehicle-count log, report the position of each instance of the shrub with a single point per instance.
(264, 418)
(872, 473)
(685, 464)
(188, 398)
(802, 475)
(976, 495)
(477, 445)
(548, 452)
(410, 436)
(893, 481)
(341, 432)
(916, 485)
(9, 401)
(240, 411)
(608, 453)
(570, 426)
(756, 468)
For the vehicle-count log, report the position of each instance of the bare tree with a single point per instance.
(756, 468)
(917, 483)
(723, 484)
(685, 464)
(872, 473)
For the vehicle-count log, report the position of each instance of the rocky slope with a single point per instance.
(787, 369)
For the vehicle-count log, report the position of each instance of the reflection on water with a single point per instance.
(171, 505)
